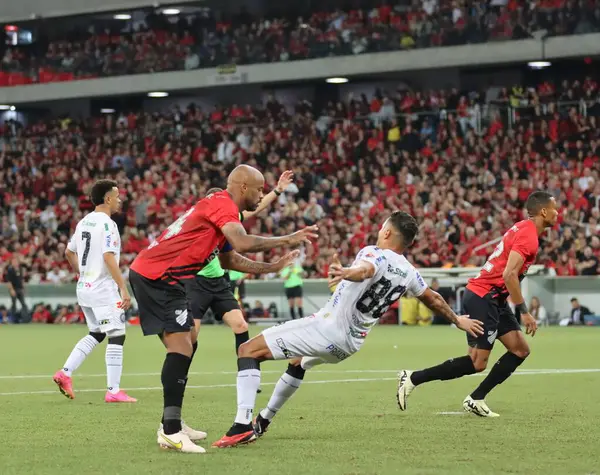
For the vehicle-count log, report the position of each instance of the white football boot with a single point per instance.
(405, 387)
(193, 434)
(478, 407)
(178, 442)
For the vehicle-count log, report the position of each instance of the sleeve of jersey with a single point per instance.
(525, 244)
(226, 247)
(72, 245)
(222, 213)
(110, 240)
(373, 255)
(417, 285)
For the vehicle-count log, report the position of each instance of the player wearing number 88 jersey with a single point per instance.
(379, 276)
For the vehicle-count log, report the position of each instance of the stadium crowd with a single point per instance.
(200, 39)
(353, 162)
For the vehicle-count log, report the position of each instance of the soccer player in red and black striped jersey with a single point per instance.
(156, 277)
(485, 299)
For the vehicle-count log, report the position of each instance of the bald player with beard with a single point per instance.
(158, 274)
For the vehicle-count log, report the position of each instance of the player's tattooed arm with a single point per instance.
(243, 242)
(235, 261)
(435, 302)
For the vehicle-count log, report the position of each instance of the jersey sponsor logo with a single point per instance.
(396, 271)
(420, 279)
(492, 336)
(283, 348)
(357, 334)
(84, 285)
(181, 317)
(336, 352)
(89, 224)
(108, 240)
(106, 226)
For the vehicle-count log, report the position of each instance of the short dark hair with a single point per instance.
(99, 190)
(214, 190)
(574, 299)
(406, 225)
(537, 201)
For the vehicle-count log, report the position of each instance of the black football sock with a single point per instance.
(293, 313)
(194, 348)
(241, 338)
(301, 312)
(450, 369)
(504, 367)
(174, 377)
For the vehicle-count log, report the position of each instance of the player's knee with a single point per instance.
(99, 337)
(523, 352)
(243, 350)
(240, 326)
(479, 363)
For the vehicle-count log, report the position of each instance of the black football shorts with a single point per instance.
(204, 293)
(495, 314)
(162, 305)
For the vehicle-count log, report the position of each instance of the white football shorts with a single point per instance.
(310, 337)
(105, 318)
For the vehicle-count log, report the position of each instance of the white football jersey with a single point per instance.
(95, 235)
(357, 306)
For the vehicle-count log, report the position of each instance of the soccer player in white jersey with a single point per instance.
(93, 253)
(379, 276)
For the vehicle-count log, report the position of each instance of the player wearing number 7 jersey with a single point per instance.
(93, 252)
(485, 299)
(379, 276)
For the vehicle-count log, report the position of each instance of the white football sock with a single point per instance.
(248, 381)
(284, 389)
(82, 349)
(114, 367)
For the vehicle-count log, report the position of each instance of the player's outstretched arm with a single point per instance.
(235, 261)
(72, 258)
(360, 271)
(436, 303)
(511, 280)
(284, 181)
(243, 242)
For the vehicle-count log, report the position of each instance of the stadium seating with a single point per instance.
(463, 174)
(200, 40)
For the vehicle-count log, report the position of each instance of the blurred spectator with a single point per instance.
(538, 311)
(578, 312)
(258, 311)
(16, 287)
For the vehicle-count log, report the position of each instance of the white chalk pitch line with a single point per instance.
(327, 381)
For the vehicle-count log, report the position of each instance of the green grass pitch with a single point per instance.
(345, 422)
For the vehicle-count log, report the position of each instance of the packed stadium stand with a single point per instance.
(456, 162)
(203, 37)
